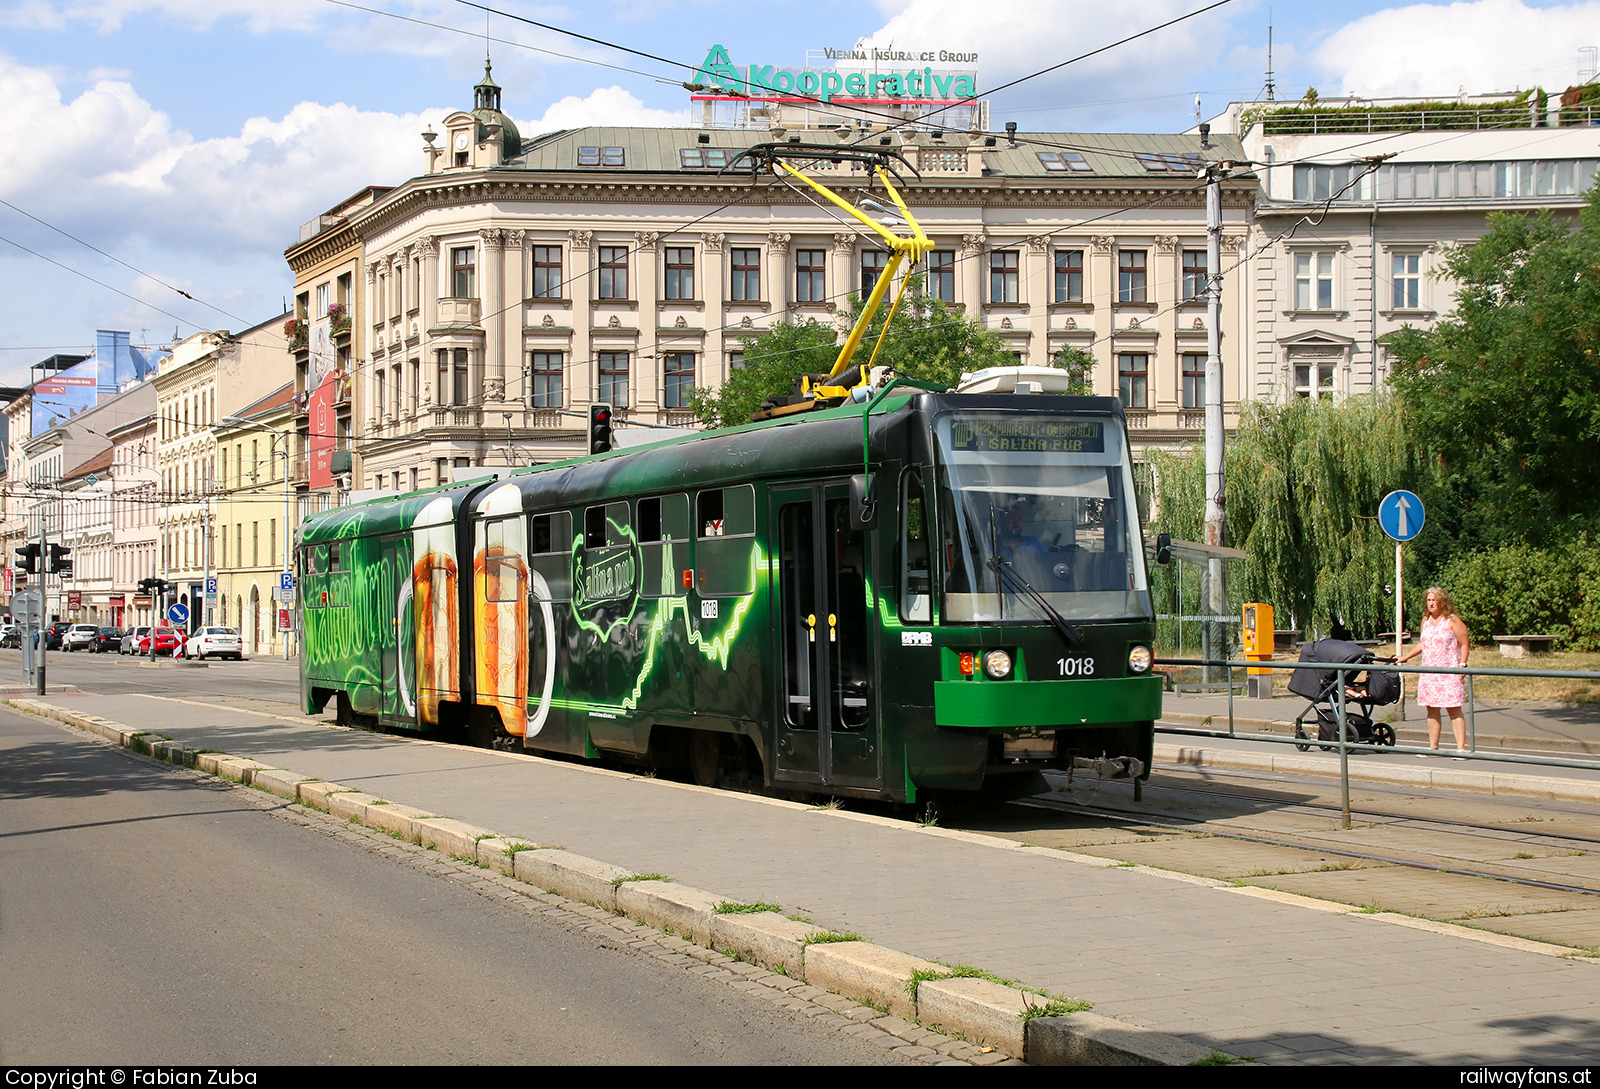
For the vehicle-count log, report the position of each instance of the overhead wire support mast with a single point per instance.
(901, 248)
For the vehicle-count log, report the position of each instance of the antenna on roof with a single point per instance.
(1272, 88)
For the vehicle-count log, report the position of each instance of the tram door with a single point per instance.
(394, 621)
(828, 729)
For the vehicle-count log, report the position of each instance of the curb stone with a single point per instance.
(866, 980)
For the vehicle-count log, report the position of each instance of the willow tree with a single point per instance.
(1304, 482)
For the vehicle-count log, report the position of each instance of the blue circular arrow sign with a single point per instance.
(1401, 515)
(179, 613)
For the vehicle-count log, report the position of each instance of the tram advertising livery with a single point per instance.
(728, 603)
(879, 590)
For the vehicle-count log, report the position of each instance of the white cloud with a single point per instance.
(109, 15)
(603, 106)
(1438, 49)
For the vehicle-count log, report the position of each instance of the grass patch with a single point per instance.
(514, 849)
(618, 882)
(1217, 1058)
(797, 917)
(826, 937)
(831, 803)
(729, 907)
(1555, 689)
(779, 970)
(953, 971)
(1521, 854)
(1054, 1005)
(1368, 909)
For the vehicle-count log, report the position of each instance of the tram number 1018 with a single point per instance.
(1076, 667)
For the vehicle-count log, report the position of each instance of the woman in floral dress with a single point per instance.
(1445, 642)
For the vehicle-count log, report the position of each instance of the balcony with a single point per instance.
(459, 313)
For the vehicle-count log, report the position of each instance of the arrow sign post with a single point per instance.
(1402, 518)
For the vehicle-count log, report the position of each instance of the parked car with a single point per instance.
(222, 642)
(168, 640)
(52, 638)
(107, 639)
(10, 636)
(130, 639)
(79, 637)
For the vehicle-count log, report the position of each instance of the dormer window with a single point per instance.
(600, 156)
(1061, 162)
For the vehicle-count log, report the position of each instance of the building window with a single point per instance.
(703, 158)
(416, 389)
(613, 379)
(601, 156)
(746, 276)
(454, 386)
(1003, 286)
(735, 361)
(441, 471)
(1345, 181)
(1313, 281)
(1069, 276)
(1061, 162)
(1189, 163)
(680, 273)
(1306, 373)
(324, 298)
(873, 263)
(1194, 275)
(1407, 281)
(462, 266)
(810, 281)
(1194, 380)
(1133, 379)
(677, 369)
(941, 282)
(1131, 276)
(546, 371)
(613, 272)
(547, 279)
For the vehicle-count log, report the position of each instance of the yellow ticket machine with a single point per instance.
(1258, 642)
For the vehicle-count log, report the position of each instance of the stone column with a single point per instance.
(778, 276)
(429, 249)
(841, 274)
(1100, 278)
(581, 370)
(647, 362)
(491, 288)
(973, 268)
(515, 316)
(713, 290)
(1036, 294)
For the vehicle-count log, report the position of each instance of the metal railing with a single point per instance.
(1346, 746)
(1523, 116)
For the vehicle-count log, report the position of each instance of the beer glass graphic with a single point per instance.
(434, 580)
(500, 581)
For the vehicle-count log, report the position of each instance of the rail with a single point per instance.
(1328, 122)
(1345, 746)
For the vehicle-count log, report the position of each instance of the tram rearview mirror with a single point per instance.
(864, 501)
(1163, 548)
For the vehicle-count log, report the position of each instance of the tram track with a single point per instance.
(1202, 825)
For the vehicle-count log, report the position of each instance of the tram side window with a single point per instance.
(605, 526)
(915, 579)
(663, 524)
(550, 554)
(337, 586)
(725, 519)
(501, 563)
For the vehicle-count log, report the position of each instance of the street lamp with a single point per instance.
(288, 531)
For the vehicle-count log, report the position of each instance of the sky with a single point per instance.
(181, 143)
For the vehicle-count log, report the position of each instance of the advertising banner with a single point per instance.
(319, 443)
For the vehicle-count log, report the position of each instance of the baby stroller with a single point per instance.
(1375, 688)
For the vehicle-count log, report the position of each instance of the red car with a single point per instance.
(167, 641)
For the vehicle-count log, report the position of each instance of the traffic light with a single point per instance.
(60, 561)
(599, 428)
(28, 558)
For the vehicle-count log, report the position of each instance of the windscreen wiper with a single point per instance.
(1070, 632)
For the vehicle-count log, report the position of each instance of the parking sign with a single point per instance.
(286, 581)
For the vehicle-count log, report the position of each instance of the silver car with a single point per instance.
(79, 637)
(130, 641)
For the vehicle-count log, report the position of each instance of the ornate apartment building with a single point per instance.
(1359, 202)
(516, 281)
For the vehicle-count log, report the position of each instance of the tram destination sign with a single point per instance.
(1025, 436)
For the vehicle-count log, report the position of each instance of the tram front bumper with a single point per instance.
(1056, 705)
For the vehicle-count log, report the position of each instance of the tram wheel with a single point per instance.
(705, 757)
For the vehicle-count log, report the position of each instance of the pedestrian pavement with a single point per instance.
(1237, 969)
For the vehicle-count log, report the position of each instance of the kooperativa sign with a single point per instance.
(920, 83)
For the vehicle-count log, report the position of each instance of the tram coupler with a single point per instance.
(1106, 767)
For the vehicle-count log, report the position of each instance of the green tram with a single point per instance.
(750, 605)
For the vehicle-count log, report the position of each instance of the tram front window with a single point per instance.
(1043, 503)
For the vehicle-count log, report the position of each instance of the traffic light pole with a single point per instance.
(44, 607)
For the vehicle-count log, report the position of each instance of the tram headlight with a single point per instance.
(1139, 659)
(997, 664)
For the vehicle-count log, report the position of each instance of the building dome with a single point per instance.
(486, 108)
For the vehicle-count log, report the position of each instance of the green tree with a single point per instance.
(1505, 394)
(927, 340)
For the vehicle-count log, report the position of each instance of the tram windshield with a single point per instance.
(1038, 507)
